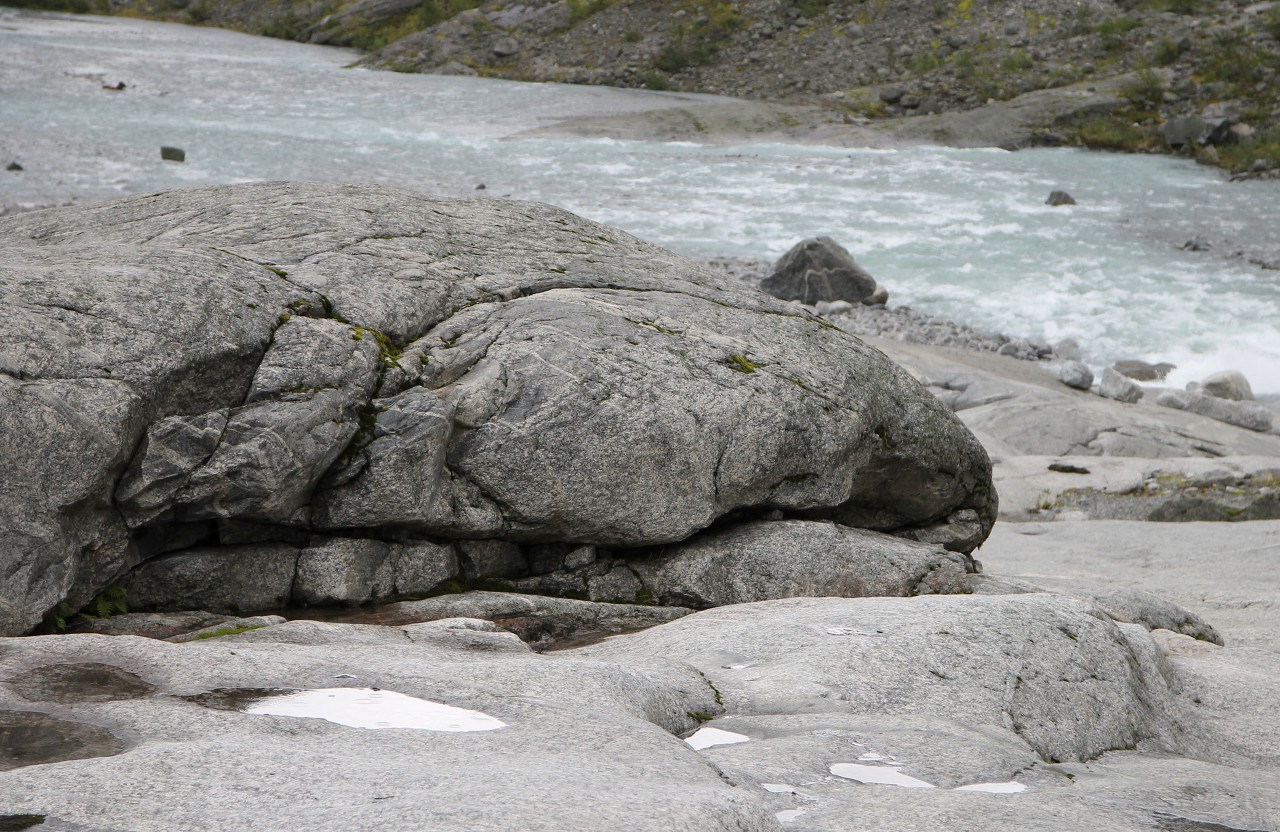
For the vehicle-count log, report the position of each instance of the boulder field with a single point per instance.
(576, 534)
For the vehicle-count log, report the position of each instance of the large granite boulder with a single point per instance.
(367, 362)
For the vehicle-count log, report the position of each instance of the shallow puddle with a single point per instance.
(708, 737)
(88, 682)
(878, 775)
(354, 707)
(788, 815)
(30, 739)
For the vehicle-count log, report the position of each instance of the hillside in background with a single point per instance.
(1194, 76)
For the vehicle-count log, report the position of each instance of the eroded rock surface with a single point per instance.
(375, 363)
(807, 712)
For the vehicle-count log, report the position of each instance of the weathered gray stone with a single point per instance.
(1042, 419)
(159, 625)
(357, 571)
(87, 349)
(543, 622)
(344, 571)
(172, 449)
(490, 366)
(1228, 384)
(231, 579)
(1117, 386)
(1070, 681)
(505, 47)
(1186, 130)
(1076, 374)
(879, 297)
(1143, 370)
(524, 387)
(397, 473)
(1245, 414)
(818, 269)
(420, 566)
(765, 560)
(1161, 490)
(491, 559)
(299, 415)
(189, 760)
(1127, 605)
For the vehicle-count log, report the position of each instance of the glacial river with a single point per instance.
(959, 233)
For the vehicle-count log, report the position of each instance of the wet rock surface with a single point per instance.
(29, 738)
(83, 682)
(540, 621)
(383, 361)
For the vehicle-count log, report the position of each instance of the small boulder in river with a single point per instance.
(1116, 386)
(14, 166)
(173, 154)
(249, 366)
(1076, 374)
(1248, 415)
(818, 269)
(1228, 384)
(1057, 198)
(1143, 371)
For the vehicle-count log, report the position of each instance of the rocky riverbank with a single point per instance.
(460, 442)
(1190, 76)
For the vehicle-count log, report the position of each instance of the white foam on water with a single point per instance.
(373, 708)
(877, 775)
(708, 737)
(1010, 787)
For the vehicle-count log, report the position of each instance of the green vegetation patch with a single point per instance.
(1264, 145)
(1113, 32)
(228, 631)
(1119, 131)
(111, 601)
(1146, 90)
(74, 6)
(810, 8)
(375, 35)
(742, 364)
(1166, 52)
(580, 10)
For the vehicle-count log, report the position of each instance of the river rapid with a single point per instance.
(964, 234)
